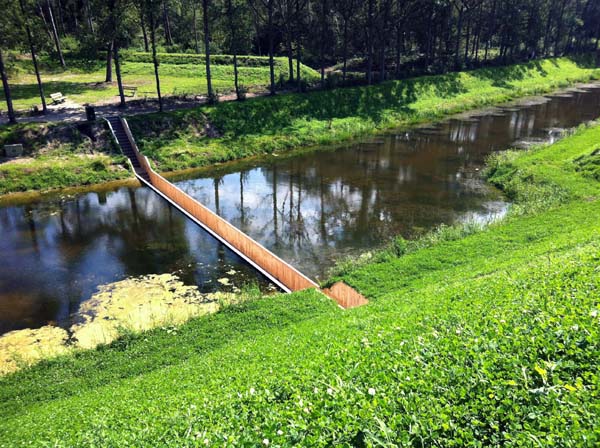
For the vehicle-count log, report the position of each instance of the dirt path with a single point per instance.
(70, 111)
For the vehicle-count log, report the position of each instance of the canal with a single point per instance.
(311, 209)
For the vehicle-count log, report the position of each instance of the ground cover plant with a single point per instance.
(233, 130)
(487, 337)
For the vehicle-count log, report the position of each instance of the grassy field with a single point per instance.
(83, 81)
(472, 338)
(179, 140)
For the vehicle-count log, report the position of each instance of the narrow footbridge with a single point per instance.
(281, 273)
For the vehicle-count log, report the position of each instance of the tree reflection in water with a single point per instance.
(61, 250)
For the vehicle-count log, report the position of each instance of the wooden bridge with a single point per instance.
(278, 271)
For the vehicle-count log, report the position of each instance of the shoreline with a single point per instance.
(20, 198)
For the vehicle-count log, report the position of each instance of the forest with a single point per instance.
(348, 42)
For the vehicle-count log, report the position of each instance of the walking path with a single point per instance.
(70, 111)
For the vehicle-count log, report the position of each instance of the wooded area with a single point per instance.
(350, 41)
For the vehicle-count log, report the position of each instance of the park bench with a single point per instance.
(58, 98)
(129, 91)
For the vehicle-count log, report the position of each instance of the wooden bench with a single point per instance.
(58, 98)
(129, 91)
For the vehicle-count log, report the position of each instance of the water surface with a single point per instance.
(315, 208)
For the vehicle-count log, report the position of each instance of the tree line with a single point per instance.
(364, 41)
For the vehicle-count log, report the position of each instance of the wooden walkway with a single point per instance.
(281, 273)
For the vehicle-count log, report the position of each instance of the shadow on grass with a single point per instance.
(272, 115)
(30, 91)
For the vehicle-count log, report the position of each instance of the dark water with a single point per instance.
(316, 208)
(310, 209)
(56, 253)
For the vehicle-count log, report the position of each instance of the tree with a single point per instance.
(346, 9)
(7, 96)
(25, 18)
(267, 16)
(115, 31)
(55, 34)
(286, 13)
(235, 13)
(206, 21)
(149, 7)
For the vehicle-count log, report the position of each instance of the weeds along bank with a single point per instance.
(485, 338)
(233, 130)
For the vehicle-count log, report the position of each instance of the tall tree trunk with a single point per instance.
(55, 35)
(118, 72)
(155, 58)
(345, 50)
(322, 42)
(271, 48)
(109, 56)
(290, 55)
(42, 14)
(370, 42)
(167, 24)
(559, 24)
(397, 58)
(458, 35)
(195, 27)
(467, 41)
(61, 20)
(298, 18)
(205, 5)
(233, 48)
(383, 36)
(546, 49)
(256, 23)
(7, 96)
(88, 15)
(33, 57)
(299, 73)
(236, 82)
(144, 32)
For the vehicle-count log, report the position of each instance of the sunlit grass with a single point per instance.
(487, 337)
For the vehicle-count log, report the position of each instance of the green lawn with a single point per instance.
(476, 338)
(83, 81)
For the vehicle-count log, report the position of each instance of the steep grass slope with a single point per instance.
(488, 339)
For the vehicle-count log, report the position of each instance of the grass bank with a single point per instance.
(207, 135)
(486, 339)
(265, 125)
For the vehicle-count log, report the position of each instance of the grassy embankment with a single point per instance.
(180, 74)
(484, 338)
(179, 140)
